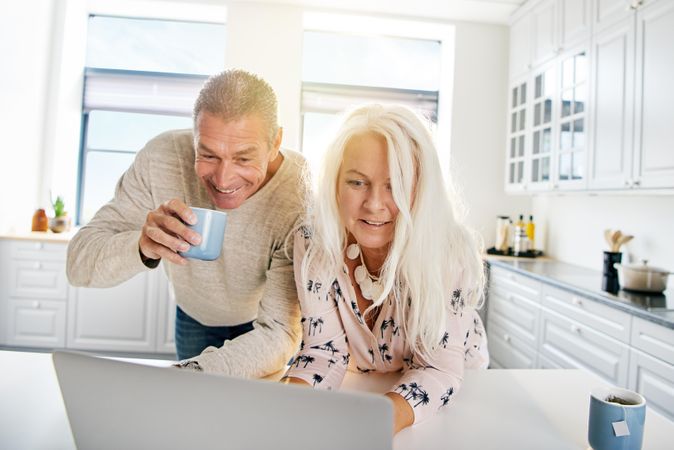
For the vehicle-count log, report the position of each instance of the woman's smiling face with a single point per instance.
(364, 195)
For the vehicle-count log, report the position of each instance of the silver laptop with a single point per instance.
(114, 405)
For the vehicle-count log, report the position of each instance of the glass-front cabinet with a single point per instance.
(571, 148)
(547, 151)
(515, 158)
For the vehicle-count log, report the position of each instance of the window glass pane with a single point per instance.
(578, 134)
(579, 103)
(155, 45)
(111, 130)
(545, 169)
(521, 146)
(522, 119)
(578, 166)
(537, 114)
(546, 145)
(534, 169)
(564, 166)
(567, 98)
(515, 97)
(513, 145)
(513, 125)
(511, 177)
(539, 86)
(537, 142)
(565, 136)
(523, 94)
(371, 61)
(548, 111)
(520, 171)
(102, 171)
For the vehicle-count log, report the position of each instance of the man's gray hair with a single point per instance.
(234, 94)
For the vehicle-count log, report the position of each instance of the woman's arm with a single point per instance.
(403, 415)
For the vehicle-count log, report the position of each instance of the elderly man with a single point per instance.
(238, 315)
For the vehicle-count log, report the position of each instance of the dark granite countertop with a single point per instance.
(658, 308)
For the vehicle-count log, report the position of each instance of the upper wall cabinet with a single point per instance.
(520, 47)
(633, 113)
(600, 112)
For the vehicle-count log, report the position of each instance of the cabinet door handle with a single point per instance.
(637, 183)
(37, 266)
(36, 305)
(576, 301)
(575, 329)
(39, 246)
(506, 337)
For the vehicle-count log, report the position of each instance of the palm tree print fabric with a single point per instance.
(335, 337)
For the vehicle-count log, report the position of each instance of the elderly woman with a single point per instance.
(387, 276)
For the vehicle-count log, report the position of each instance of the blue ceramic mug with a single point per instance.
(211, 226)
(616, 419)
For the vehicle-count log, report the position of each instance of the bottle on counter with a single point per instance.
(531, 232)
(40, 221)
(520, 241)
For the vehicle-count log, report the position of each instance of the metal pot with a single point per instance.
(642, 277)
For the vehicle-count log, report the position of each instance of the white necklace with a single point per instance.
(370, 286)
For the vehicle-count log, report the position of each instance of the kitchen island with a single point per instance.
(504, 409)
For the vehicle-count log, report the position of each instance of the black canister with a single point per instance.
(609, 279)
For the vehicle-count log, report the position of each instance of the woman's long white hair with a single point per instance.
(432, 254)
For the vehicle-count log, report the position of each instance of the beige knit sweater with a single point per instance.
(252, 279)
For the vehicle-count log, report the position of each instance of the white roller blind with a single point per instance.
(327, 98)
(141, 91)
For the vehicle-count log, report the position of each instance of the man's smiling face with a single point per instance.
(233, 158)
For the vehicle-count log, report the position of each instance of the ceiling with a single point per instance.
(486, 11)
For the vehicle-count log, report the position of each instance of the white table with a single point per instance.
(495, 409)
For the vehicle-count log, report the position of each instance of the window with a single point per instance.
(141, 78)
(341, 70)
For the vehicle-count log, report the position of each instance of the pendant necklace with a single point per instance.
(370, 285)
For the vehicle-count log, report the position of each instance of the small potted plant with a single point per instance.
(61, 221)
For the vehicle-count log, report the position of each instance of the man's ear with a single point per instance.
(278, 140)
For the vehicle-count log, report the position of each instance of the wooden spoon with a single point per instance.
(607, 237)
(624, 239)
(616, 237)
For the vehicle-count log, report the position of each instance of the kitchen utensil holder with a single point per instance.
(609, 279)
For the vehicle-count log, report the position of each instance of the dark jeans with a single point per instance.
(192, 337)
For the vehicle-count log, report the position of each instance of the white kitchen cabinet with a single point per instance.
(512, 319)
(603, 318)
(654, 95)
(613, 110)
(574, 21)
(653, 339)
(572, 344)
(38, 308)
(36, 323)
(520, 47)
(607, 12)
(518, 115)
(122, 318)
(654, 379)
(544, 29)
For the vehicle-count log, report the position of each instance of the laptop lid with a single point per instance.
(114, 404)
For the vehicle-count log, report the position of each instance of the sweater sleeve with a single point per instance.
(428, 384)
(275, 335)
(105, 252)
(323, 356)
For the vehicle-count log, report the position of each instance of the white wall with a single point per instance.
(575, 225)
(267, 40)
(25, 33)
(479, 126)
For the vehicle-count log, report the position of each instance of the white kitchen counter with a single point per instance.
(504, 409)
(39, 236)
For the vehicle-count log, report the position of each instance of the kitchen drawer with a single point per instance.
(545, 363)
(516, 314)
(38, 279)
(507, 281)
(595, 315)
(653, 379)
(40, 251)
(36, 323)
(653, 339)
(574, 345)
(507, 351)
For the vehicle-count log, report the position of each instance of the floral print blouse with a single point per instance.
(335, 336)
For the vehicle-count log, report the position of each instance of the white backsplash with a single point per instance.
(571, 227)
